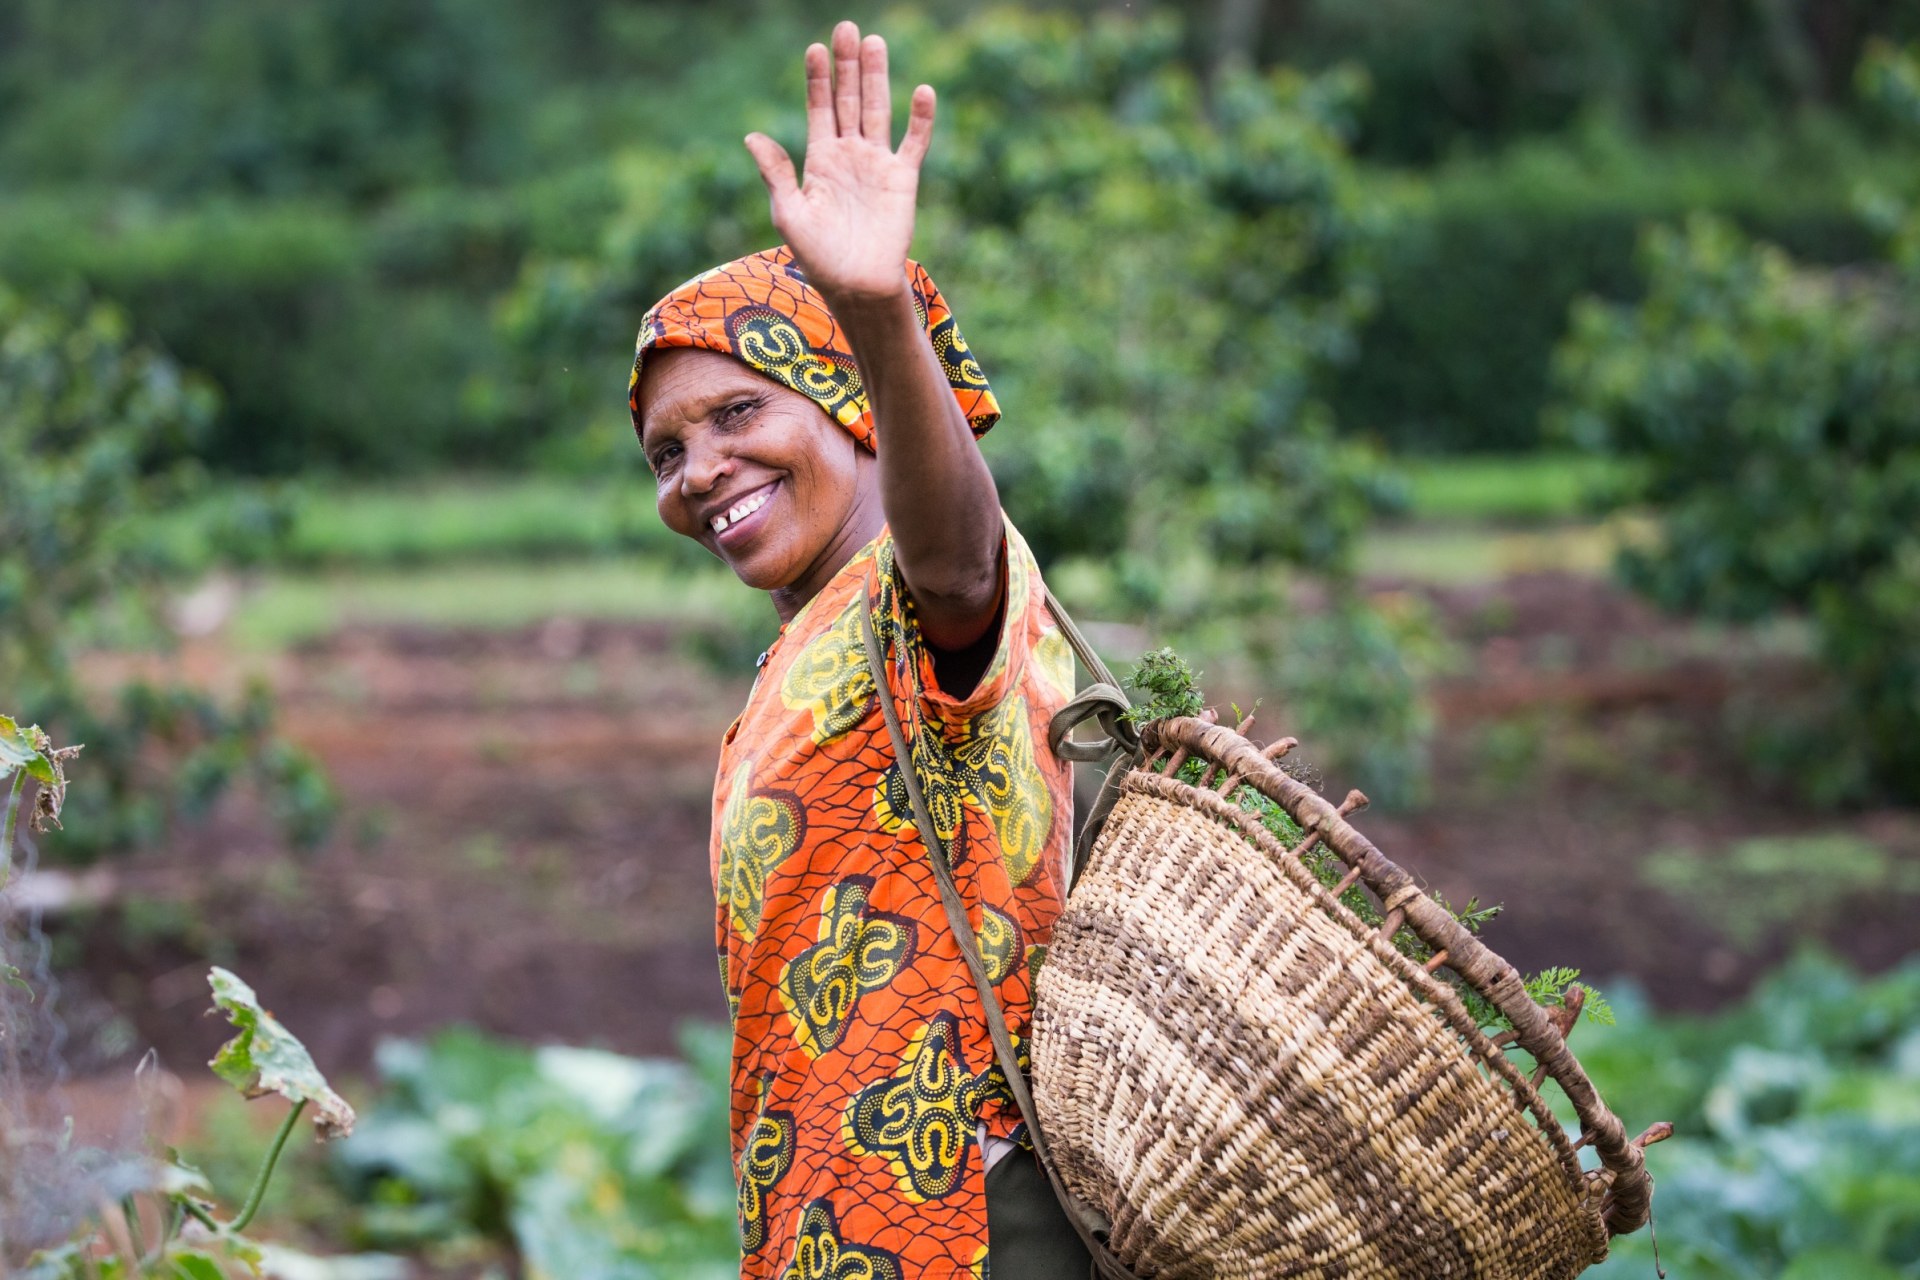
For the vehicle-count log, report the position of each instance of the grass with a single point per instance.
(496, 519)
(1508, 489)
(1458, 555)
(430, 521)
(503, 552)
(287, 608)
(536, 517)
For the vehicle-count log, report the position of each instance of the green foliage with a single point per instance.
(1448, 77)
(1488, 254)
(1550, 988)
(1772, 415)
(1889, 78)
(1168, 681)
(95, 430)
(323, 327)
(1797, 1127)
(588, 1163)
(1154, 279)
(1758, 891)
(1516, 489)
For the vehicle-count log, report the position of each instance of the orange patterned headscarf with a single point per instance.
(761, 311)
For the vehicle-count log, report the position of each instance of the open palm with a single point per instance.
(850, 222)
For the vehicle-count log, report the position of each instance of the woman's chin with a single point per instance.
(762, 569)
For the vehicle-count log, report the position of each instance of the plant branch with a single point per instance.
(6, 828)
(255, 1196)
(201, 1216)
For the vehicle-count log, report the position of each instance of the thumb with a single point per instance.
(776, 166)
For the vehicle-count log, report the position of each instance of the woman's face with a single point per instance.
(749, 469)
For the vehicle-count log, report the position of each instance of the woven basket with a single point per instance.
(1249, 1082)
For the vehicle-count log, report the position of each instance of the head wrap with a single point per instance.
(761, 311)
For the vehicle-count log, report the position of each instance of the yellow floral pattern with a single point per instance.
(831, 680)
(759, 831)
(820, 1254)
(767, 1156)
(921, 1121)
(859, 951)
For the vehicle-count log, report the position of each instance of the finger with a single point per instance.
(776, 166)
(819, 94)
(846, 80)
(913, 147)
(876, 95)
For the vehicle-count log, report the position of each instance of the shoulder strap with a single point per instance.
(1103, 700)
(1086, 1220)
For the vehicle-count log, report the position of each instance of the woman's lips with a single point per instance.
(742, 531)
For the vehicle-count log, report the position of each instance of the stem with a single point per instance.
(6, 830)
(130, 1210)
(169, 1228)
(265, 1175)
(200, 1215)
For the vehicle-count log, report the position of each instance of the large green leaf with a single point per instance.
(266, 1058)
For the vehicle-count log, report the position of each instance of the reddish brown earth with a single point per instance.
(523, 843)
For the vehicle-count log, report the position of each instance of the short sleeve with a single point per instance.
(911, 667)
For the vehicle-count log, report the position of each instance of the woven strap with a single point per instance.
(1087, 1221)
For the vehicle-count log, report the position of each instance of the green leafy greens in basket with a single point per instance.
(1171, 687)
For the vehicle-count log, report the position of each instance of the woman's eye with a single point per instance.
(734, 412)
(665, 455)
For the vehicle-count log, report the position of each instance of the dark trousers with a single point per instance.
(1028, 1234)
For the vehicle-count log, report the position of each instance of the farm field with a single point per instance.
(524, 749)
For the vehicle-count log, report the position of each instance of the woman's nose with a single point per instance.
(705, 468)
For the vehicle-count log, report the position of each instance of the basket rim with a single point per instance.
(1626, 1205)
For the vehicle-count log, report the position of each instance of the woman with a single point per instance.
(810, 416)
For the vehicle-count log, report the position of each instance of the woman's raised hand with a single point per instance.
(850, 222)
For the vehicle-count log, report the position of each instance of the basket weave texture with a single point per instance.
(1250, 1082)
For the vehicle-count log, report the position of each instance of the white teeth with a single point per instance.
(741, 510)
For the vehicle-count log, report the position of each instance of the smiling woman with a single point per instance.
(810, 415)
(756, 473)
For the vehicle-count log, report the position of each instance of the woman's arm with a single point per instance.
(849, 226)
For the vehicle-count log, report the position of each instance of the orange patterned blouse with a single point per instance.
(862, 1069)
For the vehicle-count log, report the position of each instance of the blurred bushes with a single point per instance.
(319, 205)
(1476, 281)
(1774, 413)
(1452, 76)
(336, 343)
(354, 99)
(96, 432)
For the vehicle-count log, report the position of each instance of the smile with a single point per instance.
(735, 516)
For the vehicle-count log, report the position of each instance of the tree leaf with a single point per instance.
(266, 1058)
(20, 749)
